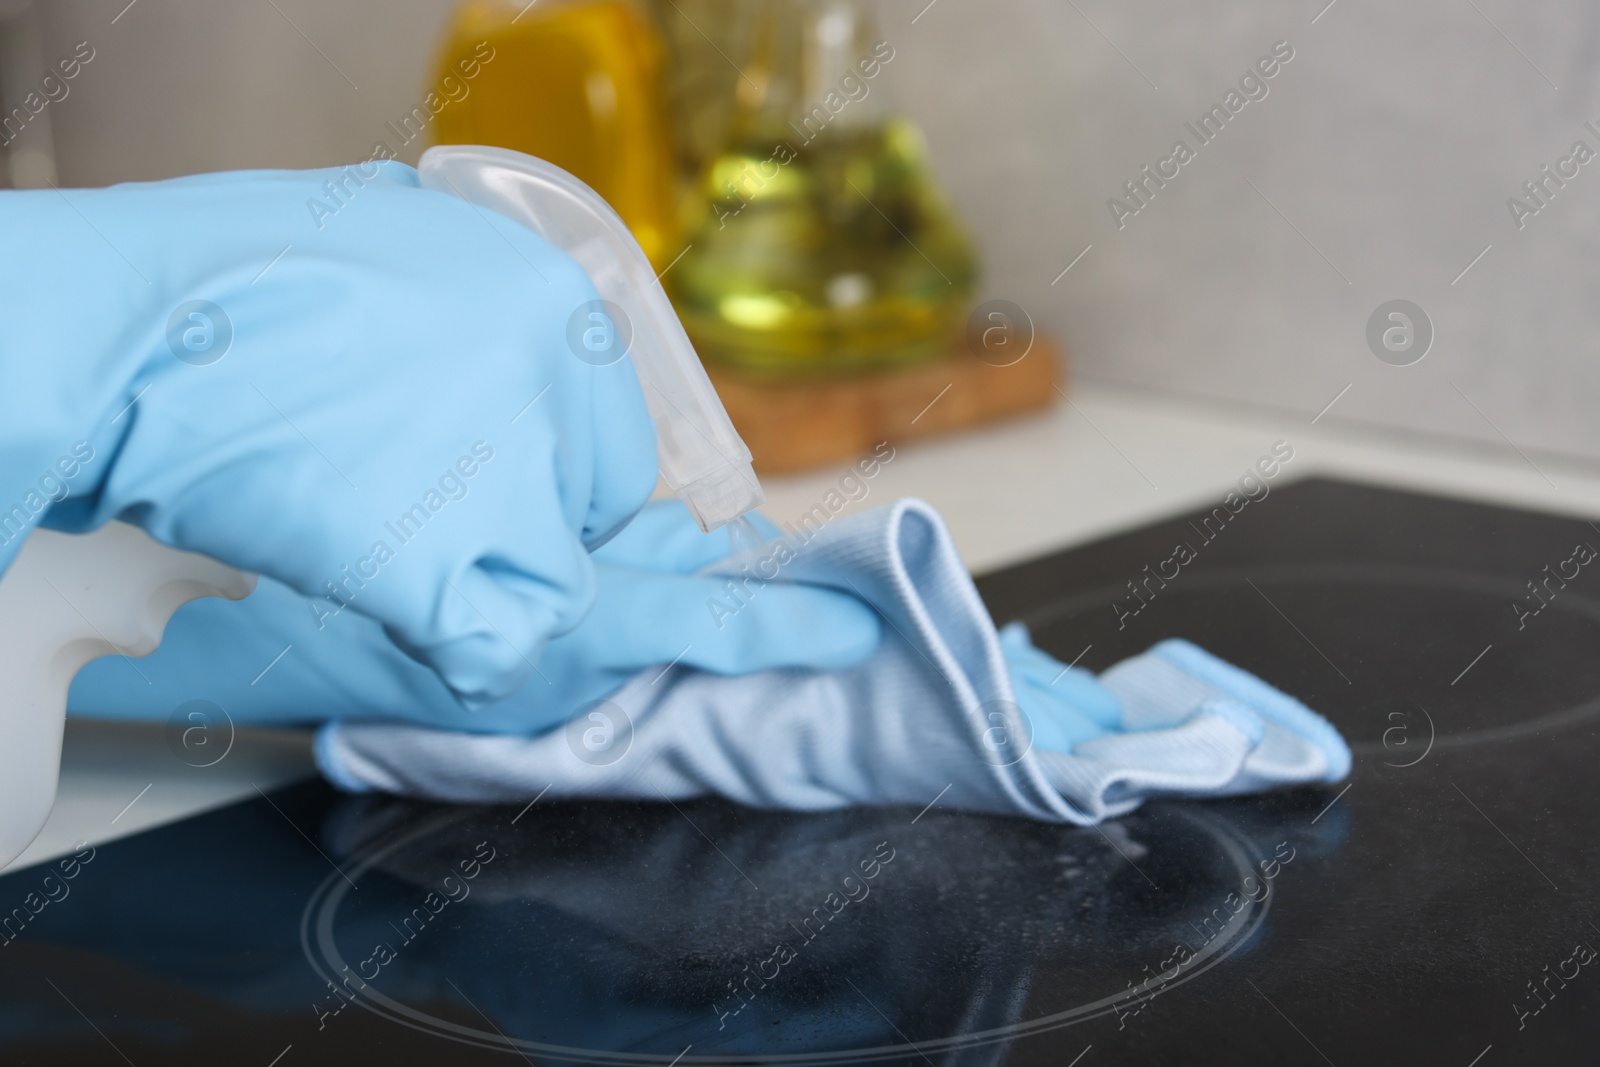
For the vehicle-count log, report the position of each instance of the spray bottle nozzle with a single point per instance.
(702, 458)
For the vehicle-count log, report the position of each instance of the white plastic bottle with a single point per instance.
(65, 600)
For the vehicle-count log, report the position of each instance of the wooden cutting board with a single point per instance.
(794, 426)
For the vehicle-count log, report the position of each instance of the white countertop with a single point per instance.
(1110, 460)
(1118, 458)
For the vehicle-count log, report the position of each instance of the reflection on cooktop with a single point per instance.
(858, 933)
(1438, 904)
(619, 933)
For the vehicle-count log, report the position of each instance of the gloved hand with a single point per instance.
(1174, 719)
(947, 709)
(653, 609)
(335, 378)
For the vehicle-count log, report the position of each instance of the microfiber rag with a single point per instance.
(947, 707)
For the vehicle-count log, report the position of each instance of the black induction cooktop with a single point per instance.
(1437, 908)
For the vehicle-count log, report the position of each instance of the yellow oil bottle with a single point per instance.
(577, 83)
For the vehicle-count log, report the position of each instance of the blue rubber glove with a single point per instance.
(376, 402)
(1158, 721)
(652, 610)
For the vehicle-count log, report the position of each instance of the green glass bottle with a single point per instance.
(818, 242)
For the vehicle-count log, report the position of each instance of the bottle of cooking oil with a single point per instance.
(817, 241)
(574, 82)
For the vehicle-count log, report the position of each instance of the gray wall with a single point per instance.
(1382, 158)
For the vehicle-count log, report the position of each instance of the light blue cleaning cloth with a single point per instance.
(947, 708)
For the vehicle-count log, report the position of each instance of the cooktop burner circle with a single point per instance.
(1123, 897)
(1401, 670)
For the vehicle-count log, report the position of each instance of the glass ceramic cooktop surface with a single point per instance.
(1435, 908)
